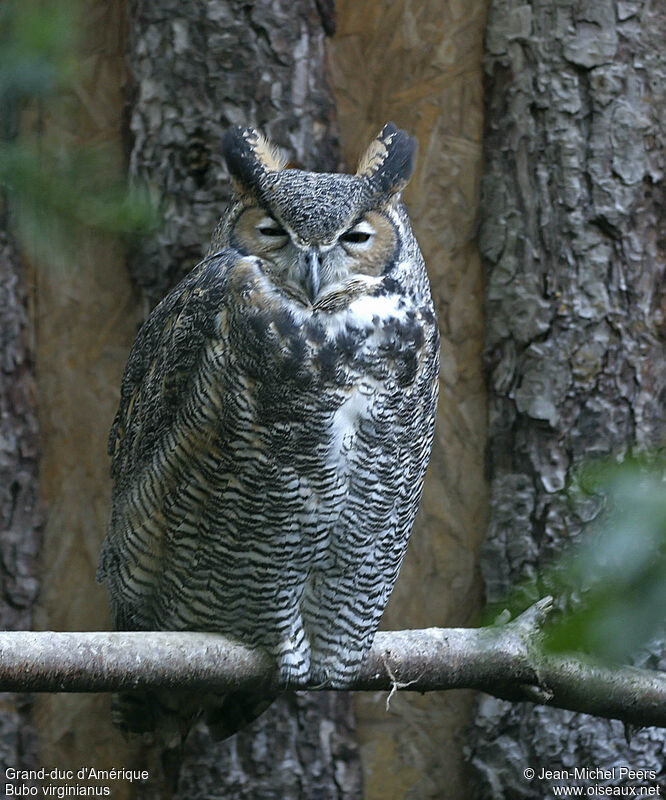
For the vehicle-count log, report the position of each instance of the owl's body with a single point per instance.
(276, 420)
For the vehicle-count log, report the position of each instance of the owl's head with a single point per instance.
(314, 231)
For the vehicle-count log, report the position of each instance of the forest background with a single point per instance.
(538, 203)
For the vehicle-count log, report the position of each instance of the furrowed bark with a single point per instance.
(572, 235)
(20, 530)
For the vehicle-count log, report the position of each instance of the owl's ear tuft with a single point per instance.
(389, 161)
(250, 155)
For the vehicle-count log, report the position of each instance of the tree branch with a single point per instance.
(503, 660)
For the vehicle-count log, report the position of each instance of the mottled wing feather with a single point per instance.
(160, 365)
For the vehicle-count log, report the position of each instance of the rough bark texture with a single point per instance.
(198, 67)
(20, 524)
(418, 63)
(574, 243)
(303, 747)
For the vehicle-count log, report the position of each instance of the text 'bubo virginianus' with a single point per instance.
(276, 421)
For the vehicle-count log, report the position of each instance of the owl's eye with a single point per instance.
(356, 237)
(359, 234)
(270, 228)
(266, 231)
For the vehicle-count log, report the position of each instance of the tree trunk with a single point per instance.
(20, 531)
(199, 67)
(573, 240)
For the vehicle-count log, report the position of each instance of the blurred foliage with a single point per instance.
(37, 46)
(618, 572)
(57, 189)
(611, 586)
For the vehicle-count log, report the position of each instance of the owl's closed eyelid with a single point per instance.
(256, 232)
(271, 229)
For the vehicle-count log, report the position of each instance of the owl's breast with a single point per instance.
(366, 328)
(312, 377)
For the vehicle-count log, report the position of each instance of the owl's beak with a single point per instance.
(313, 274)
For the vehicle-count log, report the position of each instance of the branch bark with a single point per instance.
(503, 660)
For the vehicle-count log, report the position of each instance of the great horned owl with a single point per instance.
(275, 424)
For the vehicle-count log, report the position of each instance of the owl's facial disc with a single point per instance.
(309, 268)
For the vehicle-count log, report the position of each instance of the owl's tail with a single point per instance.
(234, 712)
(169, 716)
